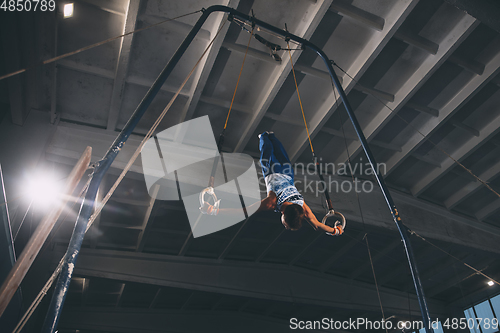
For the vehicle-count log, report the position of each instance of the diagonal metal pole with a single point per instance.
(77, 237)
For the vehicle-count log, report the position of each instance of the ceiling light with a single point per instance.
(490, 283)
(68, 10)
(43, 188)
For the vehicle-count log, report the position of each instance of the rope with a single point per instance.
(54, 275)
(22, 221)
(300, 101)
(238, 81)
(48, 61)
(454, 257)
(426, 137)
(375, 278)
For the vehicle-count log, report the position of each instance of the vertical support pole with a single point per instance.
(75, 243)
(388, 198)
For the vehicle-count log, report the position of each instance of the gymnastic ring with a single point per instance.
(210, 191)
(337, 223)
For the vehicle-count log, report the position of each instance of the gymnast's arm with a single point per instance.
(313, 221)
(268, 203)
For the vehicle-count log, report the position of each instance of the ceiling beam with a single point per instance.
(467, 128)
(132, 320)
(53, 70)
(461, 152)
(112, 7)
(305, 29)
(225, 104)
(307, 70)
(254, 53)
(108, 74)
(427, 219)
(363, 60)
(366, 18)
(469, 65)
(424, 109)
(427, 126)
(202, 73)
(337, 133)
(426, 159)
(176, 25)
(454, 38)
(488, 210)
(10, 40)
(496, 81)
(326, 76)
(86, 69)
(143, 82)
(375, 92)
(240, 279)
(124, 50)
(458, 278)
(418, 41)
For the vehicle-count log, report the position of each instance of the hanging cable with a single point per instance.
(22, 221)
(300, 101)
(209, 190)
(62, 56)
(340, 222)
(238, 81)
(454, 257)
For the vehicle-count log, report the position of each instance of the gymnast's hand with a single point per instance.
(208, 209)
(338, 230)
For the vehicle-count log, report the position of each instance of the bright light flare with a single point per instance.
(491, 283)
(68, 10)
(44, 189)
